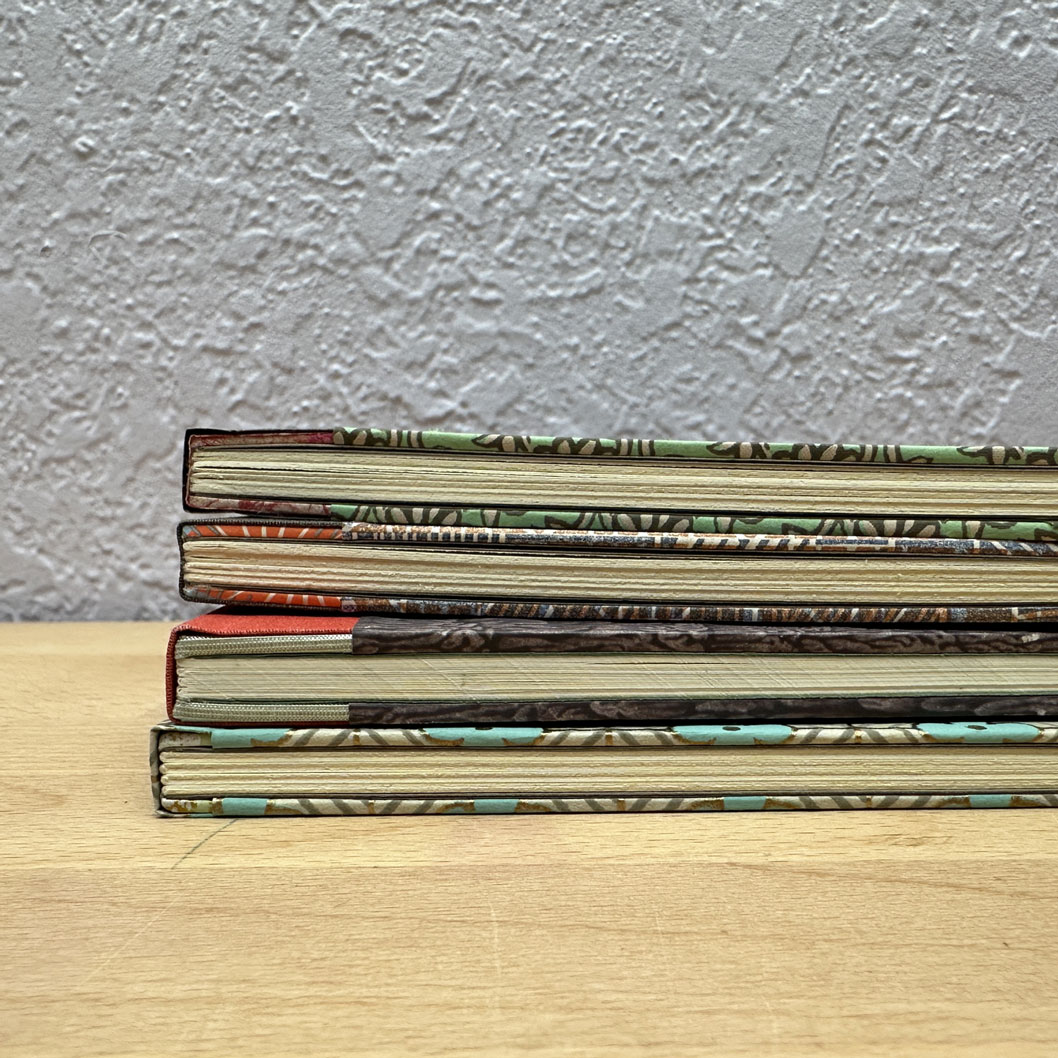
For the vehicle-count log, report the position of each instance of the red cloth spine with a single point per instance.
(225, 622)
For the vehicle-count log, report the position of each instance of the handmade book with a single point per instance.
(261, 669)
(682, 768)
(507, 481)
(452, 570)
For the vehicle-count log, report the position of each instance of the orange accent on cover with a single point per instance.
(225, 622)
(267, 531)
(246, 597)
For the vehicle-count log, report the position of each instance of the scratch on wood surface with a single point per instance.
(764, 992)
(194, 848)
(497, 959)
(107, 959)
(661, 954)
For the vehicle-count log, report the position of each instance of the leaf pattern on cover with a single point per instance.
(644, 448)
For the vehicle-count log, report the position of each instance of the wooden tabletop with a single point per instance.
(870, 933)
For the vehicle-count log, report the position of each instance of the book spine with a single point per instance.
(170, 666)
(200, 437)
(154, 760)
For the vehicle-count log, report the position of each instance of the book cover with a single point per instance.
(723, 577)
(205, 771)
(718, 517)
(291, 636)
(630, 448)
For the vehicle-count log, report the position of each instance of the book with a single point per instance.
(508, 481)
(361, 567)
(681, 768)
(262, 669)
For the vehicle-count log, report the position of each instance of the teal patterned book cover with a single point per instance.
(521, 769)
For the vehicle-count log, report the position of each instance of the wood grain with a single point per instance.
(928, 933)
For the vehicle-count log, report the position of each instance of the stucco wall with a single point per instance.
(786, 220)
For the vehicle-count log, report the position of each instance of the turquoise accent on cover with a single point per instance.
(484, 737)
(243, 738)
(744, 804)
(442, 739)
(991, 800)
(495, 805)
(733, 734)
(243, 806)
(982, 732)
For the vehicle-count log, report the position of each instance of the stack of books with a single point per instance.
(426, 622)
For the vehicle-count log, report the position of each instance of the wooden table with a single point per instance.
(918, 933)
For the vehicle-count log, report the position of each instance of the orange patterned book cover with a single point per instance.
(484, 572)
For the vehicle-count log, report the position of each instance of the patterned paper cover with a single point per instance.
(628, 520)
(309, 531)
(372, 634)
(634, 448)
(732, 543)
(690, 736)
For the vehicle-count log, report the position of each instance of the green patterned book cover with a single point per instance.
(460, 770)
(598, 484)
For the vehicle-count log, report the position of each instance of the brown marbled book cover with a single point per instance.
(293, 634)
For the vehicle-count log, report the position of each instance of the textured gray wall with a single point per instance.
(785, 220)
